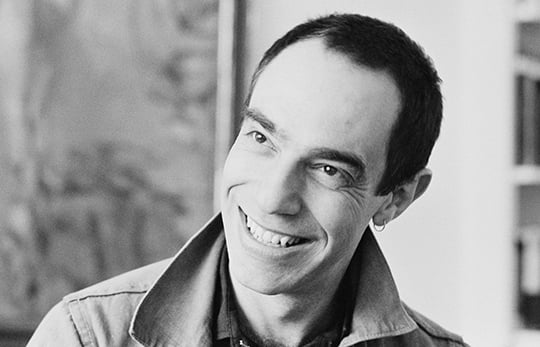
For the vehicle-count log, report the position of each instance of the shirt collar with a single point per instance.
(378, 311)
(179, 309)
(226, 325)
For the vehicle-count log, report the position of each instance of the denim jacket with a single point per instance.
(170, 303)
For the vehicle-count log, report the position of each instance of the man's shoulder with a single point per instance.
(433, 330)
(111, 304)
(100, 314)
(114, 301)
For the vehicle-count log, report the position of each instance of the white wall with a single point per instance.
(450, 252)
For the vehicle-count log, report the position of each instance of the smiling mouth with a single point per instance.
(270, 238)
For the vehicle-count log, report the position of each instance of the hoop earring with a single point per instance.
(379, 228)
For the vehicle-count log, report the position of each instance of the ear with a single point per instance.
(402, 197)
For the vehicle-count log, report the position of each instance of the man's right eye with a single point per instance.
(255, 140)
(258, 137)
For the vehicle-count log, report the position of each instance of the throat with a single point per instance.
(291, 336)
(276, 321)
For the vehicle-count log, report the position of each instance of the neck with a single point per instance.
(287, 319)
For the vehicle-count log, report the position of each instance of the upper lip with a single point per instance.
(270, 229)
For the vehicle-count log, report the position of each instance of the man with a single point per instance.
(342, 114)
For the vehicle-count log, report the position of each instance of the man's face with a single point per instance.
(299, 182)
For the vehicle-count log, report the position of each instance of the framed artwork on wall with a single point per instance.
(116, 116)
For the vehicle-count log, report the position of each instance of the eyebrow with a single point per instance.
(257, 116)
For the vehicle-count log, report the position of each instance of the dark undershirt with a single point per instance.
(231, 330)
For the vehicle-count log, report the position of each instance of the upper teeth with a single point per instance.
(269, 237)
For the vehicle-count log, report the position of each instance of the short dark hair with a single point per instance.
(382, 46)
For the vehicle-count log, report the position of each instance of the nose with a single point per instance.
(280, 190)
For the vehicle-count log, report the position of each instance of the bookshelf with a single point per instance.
(528, 66)
(526, 172)
(527, 338)
(526, 175)
(527, 11)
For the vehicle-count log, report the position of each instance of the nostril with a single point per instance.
(286, 204)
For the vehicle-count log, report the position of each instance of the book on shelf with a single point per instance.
(529, 276)
(528, 120)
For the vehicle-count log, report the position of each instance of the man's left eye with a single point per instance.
(330, 170)
(331, 176)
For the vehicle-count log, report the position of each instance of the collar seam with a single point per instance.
(91, 296)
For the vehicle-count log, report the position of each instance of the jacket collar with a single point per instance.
(179, 310)
(378, 311)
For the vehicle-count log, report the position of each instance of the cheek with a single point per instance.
(236, 169)
(340, 217)
(343, 228)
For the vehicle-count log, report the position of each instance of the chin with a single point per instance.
(266, 285)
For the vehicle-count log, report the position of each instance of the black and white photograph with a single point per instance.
(269, 173)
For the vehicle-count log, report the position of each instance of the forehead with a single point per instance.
(319, 97)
